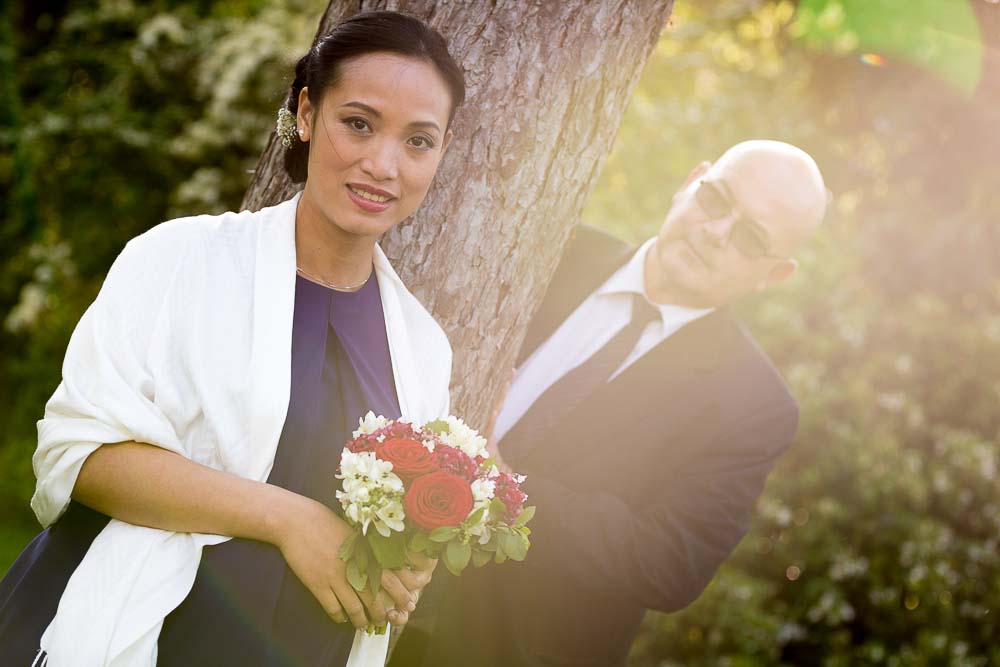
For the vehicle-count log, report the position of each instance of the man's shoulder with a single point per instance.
(588, 245)
(590, 257)
(739, 361)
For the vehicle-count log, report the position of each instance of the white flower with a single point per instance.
(483, 489)
(461, 436)
(390, 516)
(371, 492)
(370, 423)
(481, 529)
(493, 472)
(428, 445)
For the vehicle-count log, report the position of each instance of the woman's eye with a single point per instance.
(359, 124)
(421, 142)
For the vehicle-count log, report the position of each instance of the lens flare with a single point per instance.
(873, 59)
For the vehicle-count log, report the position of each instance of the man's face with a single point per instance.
(734, 225)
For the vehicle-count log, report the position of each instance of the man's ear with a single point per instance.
(695, 174)
(303, 118)
(781, 272)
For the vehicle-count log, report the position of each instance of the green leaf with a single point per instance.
(438, 426)
(481, 557)
(357, 577)
(497, 508)
(475, 517)
(521, 550)
(347, 547)
(374, 576)
(390, 552)
(456, 556)
(420, 542)
(512, 545)
(443, 534)
(525, 516)
(362, 553)
(500, 557)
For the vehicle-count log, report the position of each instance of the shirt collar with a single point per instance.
(631, 279)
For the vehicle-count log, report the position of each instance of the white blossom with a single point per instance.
(482, 529)
(372, 493)
(461, 436)
(483, 489)
(390, 516)
(370, 423)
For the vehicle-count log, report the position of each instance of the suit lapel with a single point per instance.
(660, 385)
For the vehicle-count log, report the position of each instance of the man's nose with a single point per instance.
(717, 230)
(381, 161)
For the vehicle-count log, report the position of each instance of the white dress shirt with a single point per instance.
(603, 314)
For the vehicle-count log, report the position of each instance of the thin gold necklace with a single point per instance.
(340, 288)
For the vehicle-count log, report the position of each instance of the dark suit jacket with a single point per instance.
(647, 489)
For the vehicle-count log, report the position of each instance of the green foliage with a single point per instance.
(389, 551)
(456, 556)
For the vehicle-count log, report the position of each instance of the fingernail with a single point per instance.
(410, 606)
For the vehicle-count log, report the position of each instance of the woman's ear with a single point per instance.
(304, 116)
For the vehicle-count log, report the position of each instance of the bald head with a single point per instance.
(783, 178)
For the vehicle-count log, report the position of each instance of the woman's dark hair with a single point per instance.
(368, 32)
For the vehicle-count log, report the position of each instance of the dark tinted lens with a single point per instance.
(746, 240)
(712, 201)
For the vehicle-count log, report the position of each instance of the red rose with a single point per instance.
(438, 499)
(409, 458)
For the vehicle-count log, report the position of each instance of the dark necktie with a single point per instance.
(574, 387)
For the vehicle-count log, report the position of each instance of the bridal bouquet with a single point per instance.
(431, 489)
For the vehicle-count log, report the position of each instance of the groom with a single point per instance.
(645, 418)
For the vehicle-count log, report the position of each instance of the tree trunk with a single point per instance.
(548, 83)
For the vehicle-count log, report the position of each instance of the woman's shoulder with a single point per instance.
(231, 231)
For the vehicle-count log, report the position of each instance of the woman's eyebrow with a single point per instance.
(377, 114)
(364, 107)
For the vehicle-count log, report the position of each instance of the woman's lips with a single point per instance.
(369, 200)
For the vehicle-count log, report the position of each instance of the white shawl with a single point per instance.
(188, 347)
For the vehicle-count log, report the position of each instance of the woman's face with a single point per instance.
(375, 141)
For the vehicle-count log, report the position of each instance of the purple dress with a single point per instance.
(246, 607)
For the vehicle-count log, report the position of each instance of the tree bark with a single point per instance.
(548, 83)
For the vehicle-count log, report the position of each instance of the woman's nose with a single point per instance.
(381, 161)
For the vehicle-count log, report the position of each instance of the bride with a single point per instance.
(186, 461)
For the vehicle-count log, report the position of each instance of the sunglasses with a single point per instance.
(715, 200)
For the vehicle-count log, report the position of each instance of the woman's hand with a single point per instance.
(417, 574)
(309, 539)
